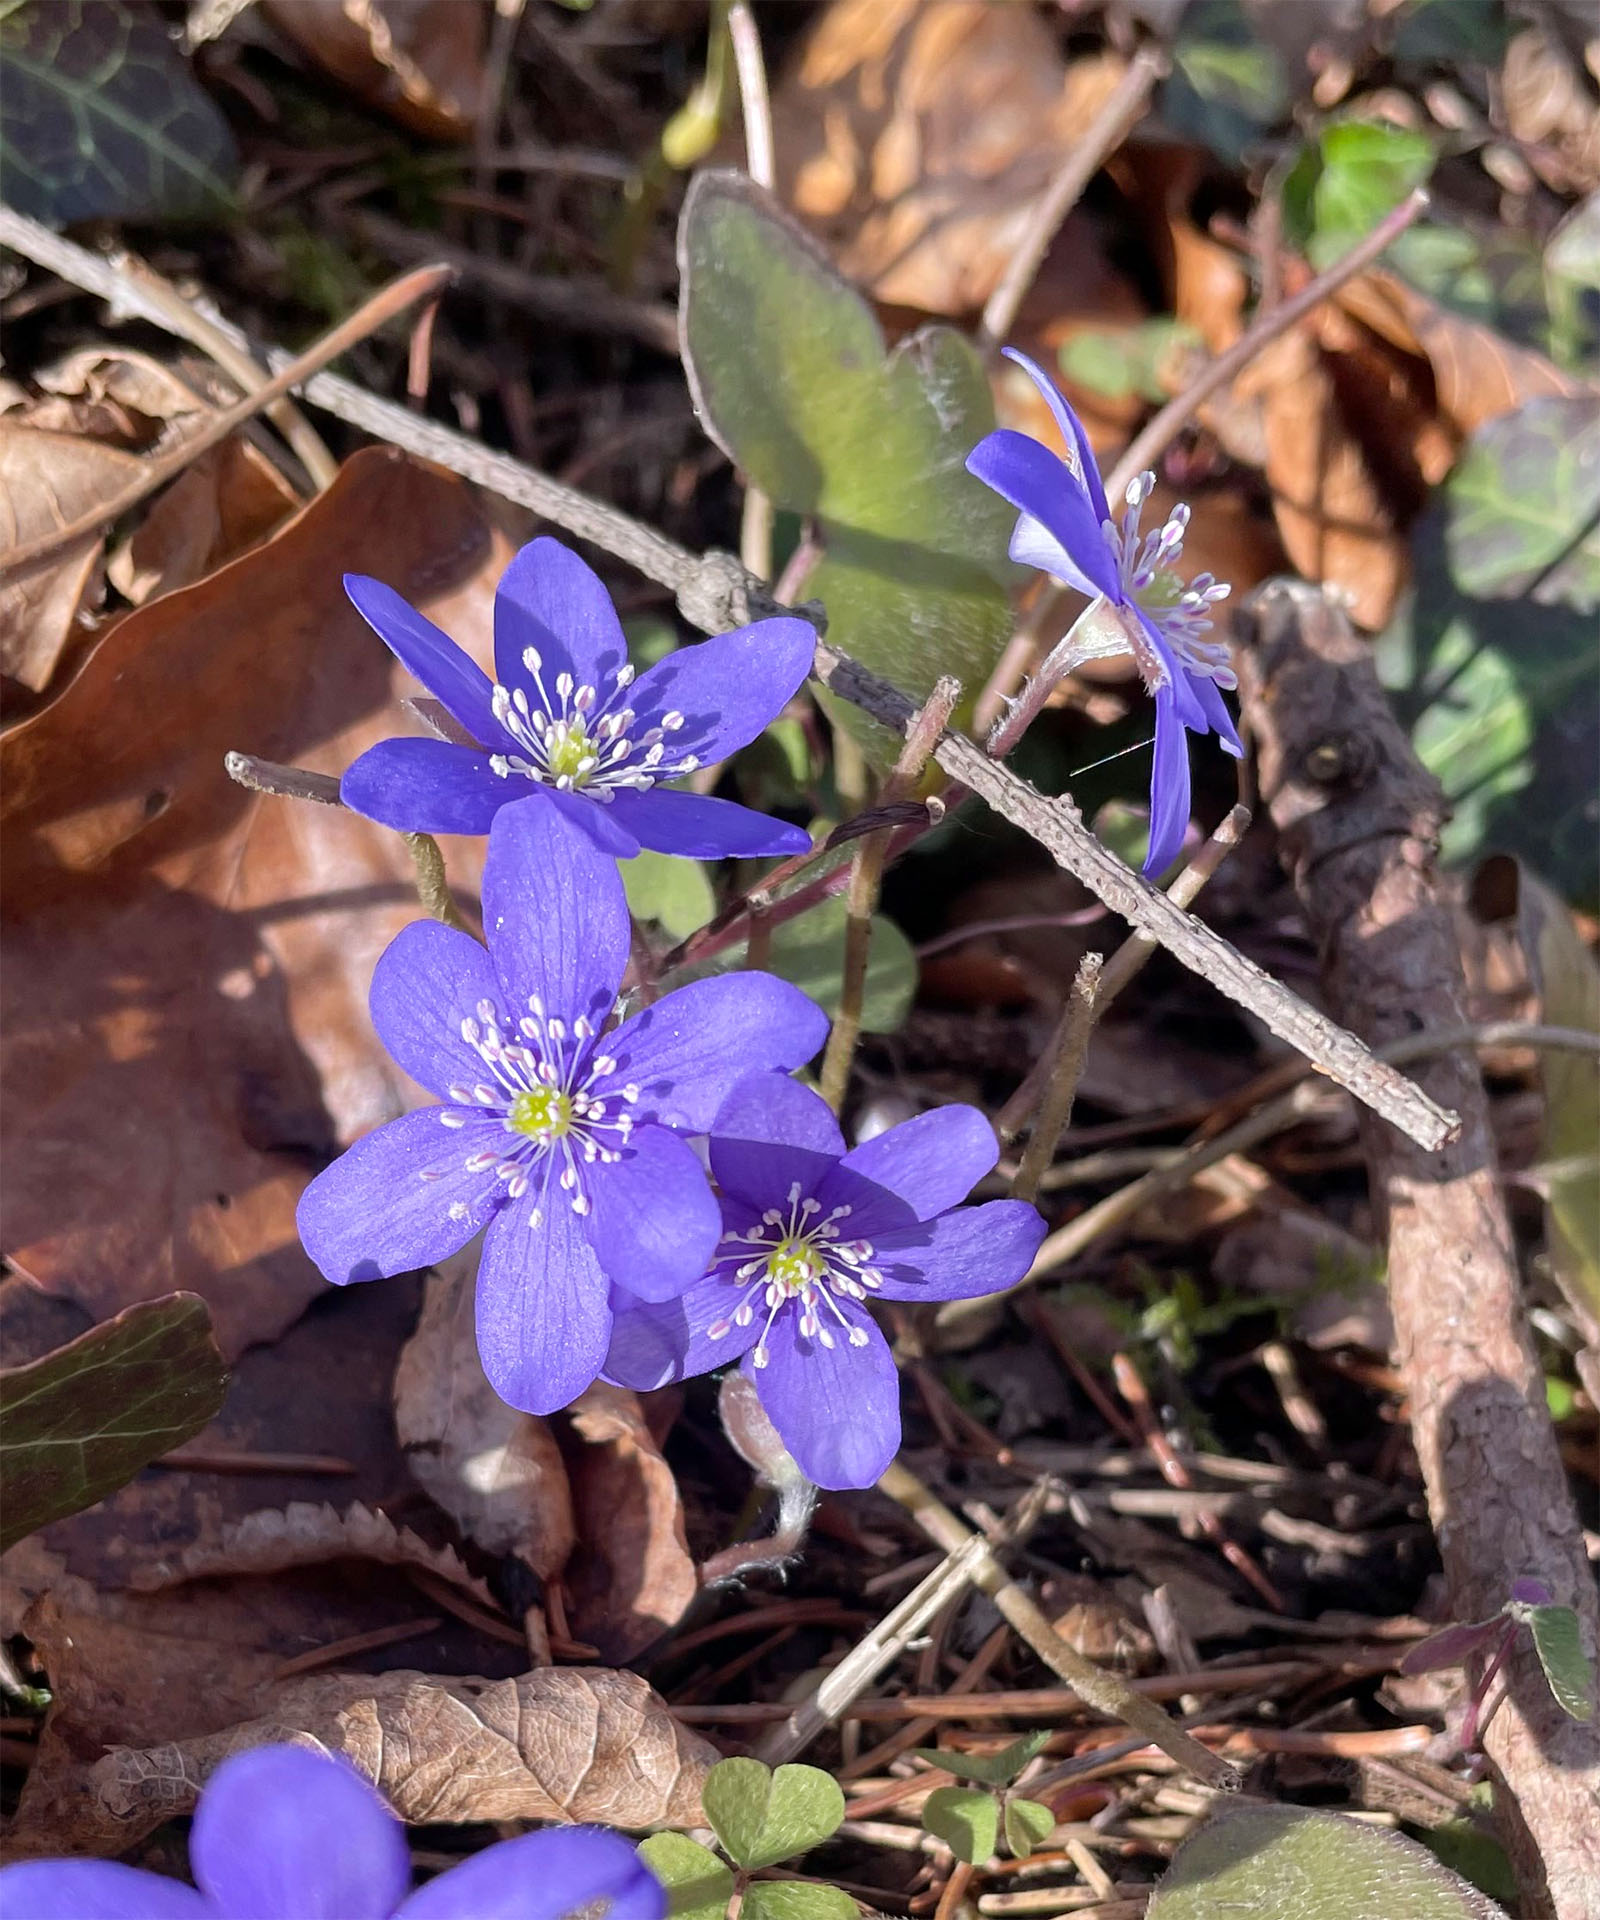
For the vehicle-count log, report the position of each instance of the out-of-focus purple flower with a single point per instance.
(566, 718)
(1065, 528)
(285, 1833)
(558, 1136)
(811, 1234)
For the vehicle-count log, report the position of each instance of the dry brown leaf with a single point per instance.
(1551, 111)
(227, 502)
(148, 393)
(187, 963)
(47, 480)
(498, 1473)
(1335, 521)
(420, 61)
(308, 1533)
(1477, 373)
(631, 1577)
(917, 135)
(569, 1743)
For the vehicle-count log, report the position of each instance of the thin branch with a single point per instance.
(755, 103)
(286, 783)
(1067, 1055)
(1106, 1693)
(866, 877)
(1149, 445)
(715, 593)
(371, 315)
(1123, 107)
(190, 322)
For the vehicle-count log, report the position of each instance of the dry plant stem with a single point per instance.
(866, 877)
(383, 306)
(1154, 439)
(1358, 820)
(193, 324)
(300, 783)
(1123, 107)
(1068, 1052)
(433, 889)
(1105, 1692)
(756, 520)
(715, 593)
(955, 1891)
(1129, 958)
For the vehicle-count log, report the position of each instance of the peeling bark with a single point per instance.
(1358, 819)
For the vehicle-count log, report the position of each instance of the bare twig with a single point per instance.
(383, 306)
(756, 518)
(866, 876)
(715, 593)
(1068, 1051)
(1360, 847)
(1130, 957)
(1148, 446)
(191, 322)
(1105, 1692)
(288, 783)
(1122, 108)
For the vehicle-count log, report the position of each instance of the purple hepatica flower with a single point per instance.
(566, 718)
(810, 1235)
(1065, 528)
(285, 1833)
(555, 1135)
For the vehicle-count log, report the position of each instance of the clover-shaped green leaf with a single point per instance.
(1557, 1642)
(762, 1817)
(967, 1821)
(1315, 1866)
(994, 1769)
(676, 894)
(795, 1900)
(82, 1421)
(1029, 1823)
(792, 377)
(698, 1885)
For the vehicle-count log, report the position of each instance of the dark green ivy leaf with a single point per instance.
(82, 1421)
(103, 118)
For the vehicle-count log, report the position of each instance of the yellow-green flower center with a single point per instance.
(542, 1113)
(569, 752)
(795, 1264)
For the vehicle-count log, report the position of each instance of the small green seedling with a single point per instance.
(759, 1817)
(969, 1820)
(1556, 1640)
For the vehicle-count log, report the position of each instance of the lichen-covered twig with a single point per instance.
(1068, 1051)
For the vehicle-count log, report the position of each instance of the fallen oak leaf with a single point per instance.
(305, 1534)
(420, 61)
(187, 964)
(566, 1744)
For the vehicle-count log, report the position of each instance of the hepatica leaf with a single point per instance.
(796, 1900)
(103, 118)
(1523, 505)
(82, 1421)
(1316, 1866)
(808, 952)
(792, 376)
(1343, 184)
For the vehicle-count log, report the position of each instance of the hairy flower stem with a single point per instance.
(433, 889)
(1106, 1693)
(866, 878)
(1067, 1055)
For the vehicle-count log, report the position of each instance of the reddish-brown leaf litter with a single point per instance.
(1285, 1391)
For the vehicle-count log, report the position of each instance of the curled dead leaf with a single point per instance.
(569, 1743)
(229, 501)
(420, 61)
(631, 1577)
(498, 1473)
(304, 1534)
